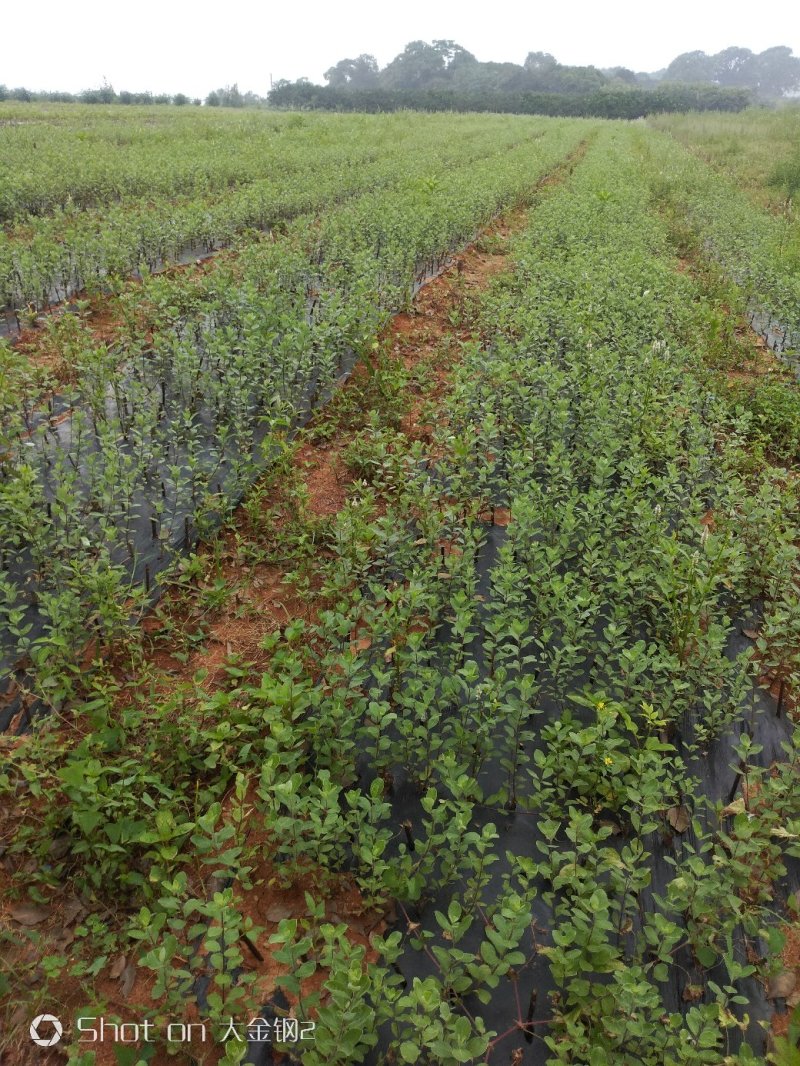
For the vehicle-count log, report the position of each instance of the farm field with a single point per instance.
(191, 184)
(753, 147)
(399, 600)
(758, 153)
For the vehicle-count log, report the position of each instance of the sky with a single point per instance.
(194, 46)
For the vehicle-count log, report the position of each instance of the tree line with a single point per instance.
(106, 94)
(228, 96)
(444, 75)
(625, 103)
(770, 74)
(444, 64)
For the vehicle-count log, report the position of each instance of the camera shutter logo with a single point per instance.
(46, 1041)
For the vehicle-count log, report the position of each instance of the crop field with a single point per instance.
(759, 149)
(399, 589)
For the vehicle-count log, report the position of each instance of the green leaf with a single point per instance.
(706, 956)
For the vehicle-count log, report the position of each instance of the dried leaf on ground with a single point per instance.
(782, 985)
(679, 818)
(28, 914)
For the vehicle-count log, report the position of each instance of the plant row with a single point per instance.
(757, 249)
(159, 441)
(78, 158)
(48, 259)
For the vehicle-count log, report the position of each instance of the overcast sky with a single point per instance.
(194, 46)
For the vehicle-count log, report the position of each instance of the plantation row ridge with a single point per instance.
(399, 588)
(168, 437)
(49, 257)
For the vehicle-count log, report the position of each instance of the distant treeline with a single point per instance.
(771, 74)
(445, 64)
(104, 95)
(228, 96)
(443, 76)
(624, 103)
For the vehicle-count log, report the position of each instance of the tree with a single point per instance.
(622, 74)
(690, 67)
(539, 62)
(772, 73)
(418, 66)
(734, 67)
(359, 73)
(453, 54)
(104, 95)
(231, 97)
(777, 72)
(227, 97)
(565, 79)
(478, 77)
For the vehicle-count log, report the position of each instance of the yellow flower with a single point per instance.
(600, 704)
(608, 760)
